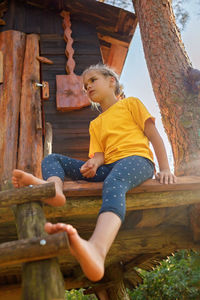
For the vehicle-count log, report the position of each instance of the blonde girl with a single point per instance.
(119, 155)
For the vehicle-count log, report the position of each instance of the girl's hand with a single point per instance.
(89, 169)
(166, 177)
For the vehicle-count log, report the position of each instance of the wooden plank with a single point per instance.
(104, 17)
(1, 67)
(84, 188)
(113, 61)
(33, 249)
(48, 139)
(12, 45)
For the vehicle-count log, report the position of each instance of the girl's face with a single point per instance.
(98, 86)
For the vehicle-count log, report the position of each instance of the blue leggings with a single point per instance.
(119, 177)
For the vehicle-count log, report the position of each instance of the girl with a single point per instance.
(119, 155)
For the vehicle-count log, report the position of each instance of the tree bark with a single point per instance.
(169, 68)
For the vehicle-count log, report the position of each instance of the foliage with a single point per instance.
(176, 278)
(78, 295)
(181, 13)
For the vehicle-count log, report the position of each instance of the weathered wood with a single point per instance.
(44, 60)
(30, 111)
(40, 280)
(84, 188)
(27, 194)
(194, 214)
(48, 139)
(138, 201)
(70, 94)
(12, 45)
(113, 60)
(7, 292)
(117, 291)
(33, 249)
(104, 17)
(1, 67)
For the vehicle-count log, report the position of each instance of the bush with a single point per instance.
(78, 295)
(176, 278)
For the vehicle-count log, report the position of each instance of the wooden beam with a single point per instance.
(113, 40)
(113, 61)
(33, 249)
(141, 201)
(27, 194)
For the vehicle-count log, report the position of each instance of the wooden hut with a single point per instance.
(41, 43)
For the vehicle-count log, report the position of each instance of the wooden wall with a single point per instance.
(70, 129)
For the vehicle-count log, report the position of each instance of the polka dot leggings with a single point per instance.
(118, 177)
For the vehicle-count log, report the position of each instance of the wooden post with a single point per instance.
(41, 280)
(118, 290)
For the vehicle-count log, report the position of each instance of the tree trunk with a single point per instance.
(174, 87)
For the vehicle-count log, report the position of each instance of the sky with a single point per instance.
(135, 76)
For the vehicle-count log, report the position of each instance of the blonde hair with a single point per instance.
(106, 71)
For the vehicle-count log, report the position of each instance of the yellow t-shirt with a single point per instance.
(119, 131)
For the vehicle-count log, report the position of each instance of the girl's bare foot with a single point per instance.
(91, 261)
(21, 179)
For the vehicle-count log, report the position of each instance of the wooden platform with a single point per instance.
(160, 219)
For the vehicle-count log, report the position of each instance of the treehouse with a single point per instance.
(44, 47)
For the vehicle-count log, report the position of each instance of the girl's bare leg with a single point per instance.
(91, 254)
(21, 179)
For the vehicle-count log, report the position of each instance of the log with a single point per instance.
(12, 45)
(41, 280)
(90, 205)
(33, 249)
(27, 194)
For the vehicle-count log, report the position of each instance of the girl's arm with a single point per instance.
(165, 175)
(89, 169)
